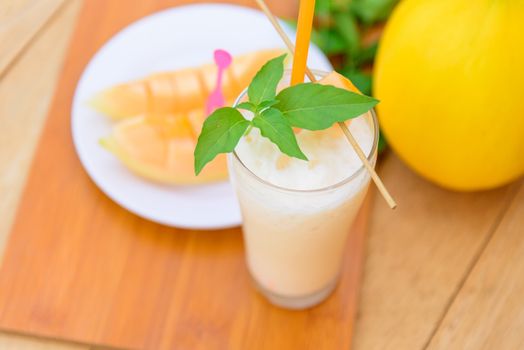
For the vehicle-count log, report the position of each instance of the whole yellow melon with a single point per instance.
(450, 77)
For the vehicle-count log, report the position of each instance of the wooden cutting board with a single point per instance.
(79, 267)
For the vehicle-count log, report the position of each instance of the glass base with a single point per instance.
(298, 302)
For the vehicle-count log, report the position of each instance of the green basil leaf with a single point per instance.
(317, 107)
(276, 128)
(264, 84)
(248, 106)
(220, 134)
(266, 104)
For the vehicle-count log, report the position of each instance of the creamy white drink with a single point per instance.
(297, 214)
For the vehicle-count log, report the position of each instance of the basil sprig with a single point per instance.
(308, 106)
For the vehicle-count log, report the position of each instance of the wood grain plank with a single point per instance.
(25, 94)
(10, 8)
(19, 24)
(19, 342)
(488, 312)
(417, 256)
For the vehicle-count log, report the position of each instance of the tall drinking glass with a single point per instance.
(295, 235)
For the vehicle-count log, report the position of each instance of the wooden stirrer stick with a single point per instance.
(378, 182)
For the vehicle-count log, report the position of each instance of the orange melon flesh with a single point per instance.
(151, 150)
(160, 117)
(338, 80)
(179, 91)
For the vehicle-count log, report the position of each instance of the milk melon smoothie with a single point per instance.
(299, 193)
(297, 214)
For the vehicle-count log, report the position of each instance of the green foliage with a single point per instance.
(318, 107)
(382, 143)
(308, 105)
(346, 24)
(329, 40)
(274, 126)
(220, 134)
(362, 80)
(340, 25)
(248, 106)
(371, 11)
(264, 84)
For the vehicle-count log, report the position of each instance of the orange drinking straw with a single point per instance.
(304, 25)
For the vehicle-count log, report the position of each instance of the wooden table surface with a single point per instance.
(443, 271)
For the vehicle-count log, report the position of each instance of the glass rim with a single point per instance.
(326, 188)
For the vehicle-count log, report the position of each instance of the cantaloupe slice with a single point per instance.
(340, 81)
(159, 118)
(161, 150)
(179, 91)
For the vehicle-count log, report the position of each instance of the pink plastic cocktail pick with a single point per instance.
(216, 98)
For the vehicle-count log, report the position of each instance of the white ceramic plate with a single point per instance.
(167, 40)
